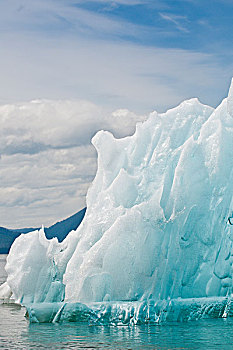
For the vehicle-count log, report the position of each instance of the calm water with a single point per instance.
(17, 333)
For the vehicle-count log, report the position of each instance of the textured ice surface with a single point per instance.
(156, 226)
(134, 312)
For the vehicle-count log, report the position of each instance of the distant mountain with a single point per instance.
(62, 228)
(59, 230)
(7, 237)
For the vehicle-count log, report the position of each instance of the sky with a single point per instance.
(69, 68)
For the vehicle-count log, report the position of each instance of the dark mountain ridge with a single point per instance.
(59, 230)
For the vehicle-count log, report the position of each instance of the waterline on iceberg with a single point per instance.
(133, 312)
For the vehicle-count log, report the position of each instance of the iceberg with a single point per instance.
(157, 237)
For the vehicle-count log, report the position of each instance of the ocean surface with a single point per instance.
(17, 333)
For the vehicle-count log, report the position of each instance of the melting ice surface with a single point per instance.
(156, 242)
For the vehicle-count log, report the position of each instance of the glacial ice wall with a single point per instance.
(156, 225)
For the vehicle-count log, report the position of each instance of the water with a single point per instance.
(17, 333)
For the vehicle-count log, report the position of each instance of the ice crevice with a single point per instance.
(155, 240)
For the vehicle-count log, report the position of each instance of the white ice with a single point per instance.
(156, 225)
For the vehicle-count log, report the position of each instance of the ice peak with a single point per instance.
(194, 103)
(193, 100)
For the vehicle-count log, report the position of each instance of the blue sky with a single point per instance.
(141, 55)
(90, 65)
(186, 24)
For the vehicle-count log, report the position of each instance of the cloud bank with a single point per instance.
(47, 161)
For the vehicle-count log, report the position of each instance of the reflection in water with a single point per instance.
(17, 333)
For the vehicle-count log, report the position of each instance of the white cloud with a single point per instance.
(61, 18)
(44, 187)
(40, 125)
(179, 21)
(122, 2)
(111, 74)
